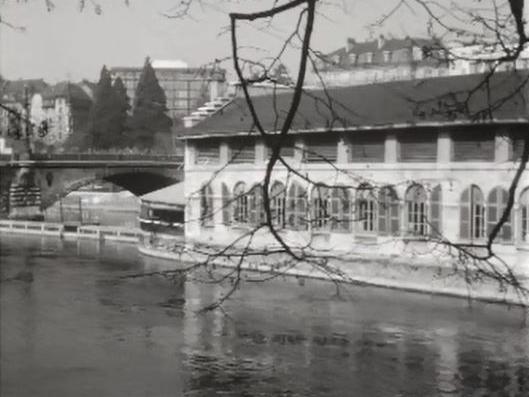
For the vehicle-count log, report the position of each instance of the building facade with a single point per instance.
(57, 109)
(64, 107)
(16, 95)
(381, 60)
(394, 165)
(393, 59)
(185, 88)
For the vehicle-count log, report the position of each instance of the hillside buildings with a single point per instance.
(392, 59)
(186, 88)
(60, 108)
(391, 165)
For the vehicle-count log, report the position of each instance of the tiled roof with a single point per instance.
(14, 90)
(405, 103)
(65, 89)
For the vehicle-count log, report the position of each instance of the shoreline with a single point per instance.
(71, 231)
(402, 274)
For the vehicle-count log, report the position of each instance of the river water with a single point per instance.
(78, 329)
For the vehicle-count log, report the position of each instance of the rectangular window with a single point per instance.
(207, 152)
(321, 149)
(473, 146)
(287, 146)
(242, 150)
(418, 147)
(517, 142)
(367, 148)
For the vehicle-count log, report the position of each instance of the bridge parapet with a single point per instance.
(107, 157)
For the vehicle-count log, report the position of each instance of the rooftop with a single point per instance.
(170, 195)
(169, 64)
(444, 100)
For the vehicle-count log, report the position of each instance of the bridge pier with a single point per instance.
(25, 196)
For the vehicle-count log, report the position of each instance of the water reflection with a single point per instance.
(79, 329)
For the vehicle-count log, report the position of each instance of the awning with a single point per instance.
(172, 196)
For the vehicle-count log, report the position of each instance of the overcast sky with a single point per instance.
(68, 44)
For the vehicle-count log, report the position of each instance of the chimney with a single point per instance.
(381, 41)
(350, 44)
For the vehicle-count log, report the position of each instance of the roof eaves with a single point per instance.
(366, 127)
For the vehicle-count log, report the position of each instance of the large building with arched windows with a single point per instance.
(370, 169)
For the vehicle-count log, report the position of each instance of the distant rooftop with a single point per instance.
(169, 64)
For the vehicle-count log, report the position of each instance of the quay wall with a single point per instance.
(102, 233)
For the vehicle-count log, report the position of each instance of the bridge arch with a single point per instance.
(138, 183)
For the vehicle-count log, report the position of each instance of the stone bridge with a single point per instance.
(29, 186)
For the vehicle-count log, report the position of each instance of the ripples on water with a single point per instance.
(79, 330)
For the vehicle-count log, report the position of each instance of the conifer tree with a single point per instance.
(148, 115)
(122, 103)
(104, 120)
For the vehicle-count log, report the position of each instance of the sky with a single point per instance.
(66, 44)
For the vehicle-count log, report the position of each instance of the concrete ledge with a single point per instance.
(394, 273)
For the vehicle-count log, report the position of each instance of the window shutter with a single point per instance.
(321, 149)
(367, 148)
(226, 205)
(287, 147)
(464, 215)
(473, 146)
(496, 204)
(242, 150)
(395, 218)
(436, 201)
(207, 152)
(418, 147)
(389, 212)
(517, 142)
(383, 213)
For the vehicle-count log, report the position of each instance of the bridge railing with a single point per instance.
(99, 157)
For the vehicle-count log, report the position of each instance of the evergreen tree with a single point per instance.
(148, 115)
(123, 105)
(104, 121)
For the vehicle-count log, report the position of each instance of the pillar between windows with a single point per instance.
(224, 153)
(189, 154)
(298, 154)
(450, 210)
(444, 147)
(342, 156)
(391, 148)
(261, 152)
(502, 147)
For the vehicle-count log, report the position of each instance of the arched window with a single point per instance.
(366, 209)
(472, 214)
(436, 202)
(388, 212)
(496, 204)
(340, 209)
(416, 211)
(277, 204)
(297, 207)
(255, 205)
(319, 200)
(206, 205)
(524, 209)
(226, 205)
(240, 200)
